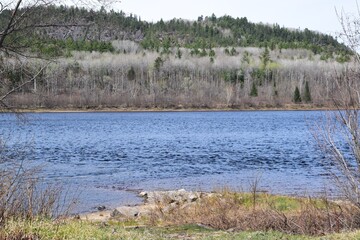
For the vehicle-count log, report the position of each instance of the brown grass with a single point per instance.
(23, 194)
(246, 212)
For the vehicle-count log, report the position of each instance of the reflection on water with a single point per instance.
(105, 153)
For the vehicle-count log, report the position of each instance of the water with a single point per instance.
(111, 156)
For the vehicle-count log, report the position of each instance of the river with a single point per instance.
(109, 156)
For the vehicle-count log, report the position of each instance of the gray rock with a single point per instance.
(125, 212)
(101, 208)
(143, 194)
(177, 197)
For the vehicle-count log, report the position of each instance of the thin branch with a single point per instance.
(5, 32)
(2, 98)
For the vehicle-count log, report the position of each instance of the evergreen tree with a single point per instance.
(253, 91)
(297, 97)
(233, 51)
(212, 53)
(178, 53)
(158, 63)
(307, 95)
(131, 74)
(265, 58)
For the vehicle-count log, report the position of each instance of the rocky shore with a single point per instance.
(168, 200)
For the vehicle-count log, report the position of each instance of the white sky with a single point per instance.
(318, 15)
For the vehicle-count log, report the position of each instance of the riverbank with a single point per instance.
(184, 214)
(286, 107)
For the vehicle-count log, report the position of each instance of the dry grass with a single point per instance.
(260, 212)
(23, 194)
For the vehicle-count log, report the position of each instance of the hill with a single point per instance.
(76, 28)
(111, 60)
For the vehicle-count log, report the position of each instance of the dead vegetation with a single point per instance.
(260, 212)
(23, 193)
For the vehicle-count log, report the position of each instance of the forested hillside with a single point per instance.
(110, 59)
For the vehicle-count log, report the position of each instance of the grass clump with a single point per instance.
(67, 229)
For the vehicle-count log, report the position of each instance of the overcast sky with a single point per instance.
(316, 15)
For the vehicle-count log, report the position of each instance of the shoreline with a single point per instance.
(290, 107)
(169, 200)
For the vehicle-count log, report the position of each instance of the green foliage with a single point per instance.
(203, 53)
(56, 47)
(88, 46)
(246, 58)
(211, 53)
(166, 46)
(75, 229)
(343, 57)
(194, 51)
(265, 58)
(234, 76)
(14, 75)
(178, 53)
(202, 34)
(253, 91)
(258, 74)
(158, 63)
(307, 94)
(275, 91)
(231, 52)
(326, 56)
(297, 97)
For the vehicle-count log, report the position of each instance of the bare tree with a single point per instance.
(22, 194)
(339, 133)
(20, 20)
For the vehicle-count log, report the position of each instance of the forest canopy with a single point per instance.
(90, 30)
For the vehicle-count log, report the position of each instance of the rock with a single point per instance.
(166, 200)
(115, 213)
(101, 208)
(192, 197)
(143, 194)
(125, 212)
(168, 197)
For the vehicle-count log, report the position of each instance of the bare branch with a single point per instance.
(4, 34)
(2, 98)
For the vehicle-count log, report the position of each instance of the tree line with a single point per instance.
(110, 59)
(145, 79)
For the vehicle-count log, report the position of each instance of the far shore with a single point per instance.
(287, 107)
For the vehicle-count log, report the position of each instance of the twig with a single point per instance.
(2, 98)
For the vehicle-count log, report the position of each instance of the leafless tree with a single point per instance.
(20, 19)
(22, 193)
(339, 133)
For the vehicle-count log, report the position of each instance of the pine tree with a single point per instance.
(297, 97)
(265, 58)
(253, 91)
(307, 94)
(178, 53)
(158, 63)
(131, 74)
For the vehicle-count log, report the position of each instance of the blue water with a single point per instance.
(110, 156)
